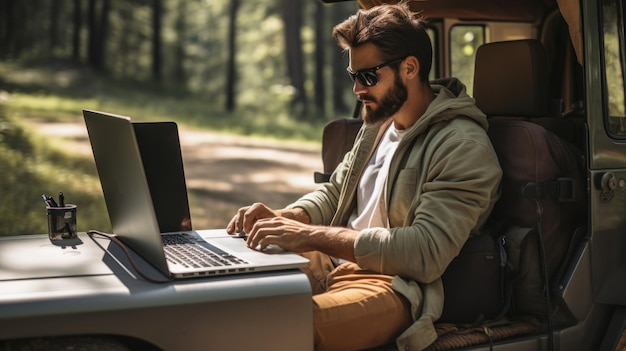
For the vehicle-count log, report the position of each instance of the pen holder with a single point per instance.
(62, 223)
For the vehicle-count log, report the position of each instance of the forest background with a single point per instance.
(266, 68)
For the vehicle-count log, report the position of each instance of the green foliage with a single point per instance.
(29, 166)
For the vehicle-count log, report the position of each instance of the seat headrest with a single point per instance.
(511, 79)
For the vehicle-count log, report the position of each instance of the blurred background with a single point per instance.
(256, 78)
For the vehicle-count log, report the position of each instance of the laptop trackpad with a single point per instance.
(238, 244)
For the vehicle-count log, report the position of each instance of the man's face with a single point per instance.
(384, 98)
(386, 105)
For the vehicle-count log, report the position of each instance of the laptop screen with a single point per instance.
(159, 147)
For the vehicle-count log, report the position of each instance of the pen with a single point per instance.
(46, 200)
(49, 200)
(61, 199)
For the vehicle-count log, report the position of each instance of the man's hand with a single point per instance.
(247, 216)
(287, 233)
(295, 236)
(290, 229)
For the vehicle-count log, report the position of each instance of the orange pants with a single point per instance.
(353, 309)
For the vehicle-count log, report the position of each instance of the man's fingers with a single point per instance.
(258, 231)
(255, 213)
(246, 218)
(236, 223)
(231, 228)
(268, 240)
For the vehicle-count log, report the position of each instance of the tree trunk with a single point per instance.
(180, 76)
(77, 24)
(341, 82)
(320, 61)
(126, 49)
(55, 11)
(231, 74)
(292, 17)
(92, 34)
(102, 34)
(157, 13)
(7, 31)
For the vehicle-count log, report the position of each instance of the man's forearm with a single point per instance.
(335, 241)
(296, 213)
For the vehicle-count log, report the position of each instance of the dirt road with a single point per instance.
(226, 172)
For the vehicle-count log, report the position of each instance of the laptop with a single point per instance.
(142, 176)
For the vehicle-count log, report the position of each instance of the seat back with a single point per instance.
(512, 80)
(337, 139)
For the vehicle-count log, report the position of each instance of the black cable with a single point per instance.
(113, 238)
(545, 274)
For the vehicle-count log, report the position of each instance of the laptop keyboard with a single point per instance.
(183, 249)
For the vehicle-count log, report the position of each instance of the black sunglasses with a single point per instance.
(368, 76)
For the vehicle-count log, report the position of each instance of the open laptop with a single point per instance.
(141, 172)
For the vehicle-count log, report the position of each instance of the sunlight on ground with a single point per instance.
(223, 172)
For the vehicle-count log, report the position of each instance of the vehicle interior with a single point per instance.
(523, 61)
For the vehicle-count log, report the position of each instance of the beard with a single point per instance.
(389, 104)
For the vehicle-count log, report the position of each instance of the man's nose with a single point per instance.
(358, 88)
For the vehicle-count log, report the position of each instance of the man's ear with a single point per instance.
(411, 67)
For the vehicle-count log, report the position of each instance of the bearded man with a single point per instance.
(421, 178)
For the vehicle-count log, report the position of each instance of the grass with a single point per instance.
(58, 91)
(30, 166)
(61, 90)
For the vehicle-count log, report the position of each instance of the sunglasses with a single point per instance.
(368, 76)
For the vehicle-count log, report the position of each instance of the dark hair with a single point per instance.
(390, 28)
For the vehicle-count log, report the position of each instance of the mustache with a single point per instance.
(365, 97)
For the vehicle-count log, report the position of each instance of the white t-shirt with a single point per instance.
(368, 212)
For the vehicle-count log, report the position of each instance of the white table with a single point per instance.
(46, 290)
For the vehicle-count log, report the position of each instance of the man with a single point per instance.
(421, 178)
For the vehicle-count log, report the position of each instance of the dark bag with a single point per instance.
(543, 189)
(472, 282)
(530, 230)
(524, 279)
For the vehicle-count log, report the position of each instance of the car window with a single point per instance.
(614, 67)
(464, 40)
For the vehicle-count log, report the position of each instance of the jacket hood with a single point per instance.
(451, 101)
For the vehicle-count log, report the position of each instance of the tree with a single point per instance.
(92, 32)
(76, 26)
(340, 86)
(180, 28)
(98, 27)
(320, 62)
(102, 33)
(6, 28)
(157, 13)
(292, 17)
(56, 9)
(231, 75)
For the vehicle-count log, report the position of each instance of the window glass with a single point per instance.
(614, 67)
(464, 40)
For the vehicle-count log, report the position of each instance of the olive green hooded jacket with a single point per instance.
(443, 182)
